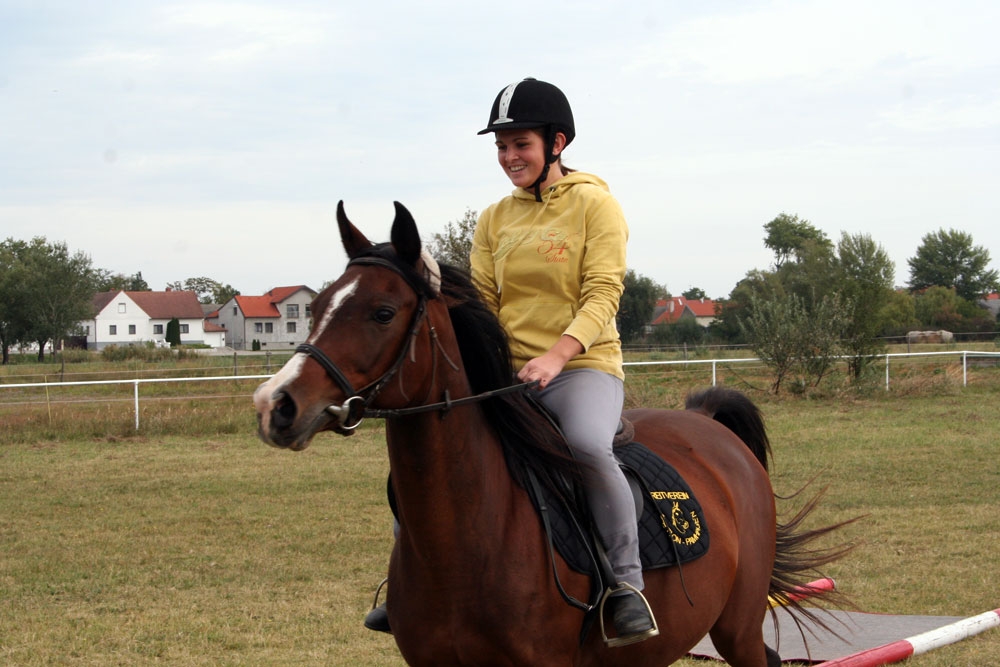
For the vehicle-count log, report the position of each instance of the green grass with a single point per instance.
(158, 548)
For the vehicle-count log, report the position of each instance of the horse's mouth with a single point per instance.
(297, 440)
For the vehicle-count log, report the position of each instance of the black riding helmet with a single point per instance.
(533, 104)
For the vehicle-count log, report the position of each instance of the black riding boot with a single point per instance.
(632, 619)
(378, 619)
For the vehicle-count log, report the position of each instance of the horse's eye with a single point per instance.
(384, 315)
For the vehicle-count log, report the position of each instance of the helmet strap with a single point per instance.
(550, 142)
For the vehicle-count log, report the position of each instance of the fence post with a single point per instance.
(135, 384)
(887, 372)
(965, 369)
(713, 372)
(234, 364)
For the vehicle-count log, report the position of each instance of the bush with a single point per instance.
(136, 352)
(75, 356)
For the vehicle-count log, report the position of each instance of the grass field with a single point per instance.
(121, 549)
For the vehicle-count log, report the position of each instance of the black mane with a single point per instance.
(528, 437)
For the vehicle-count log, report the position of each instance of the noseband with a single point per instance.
(355, 408)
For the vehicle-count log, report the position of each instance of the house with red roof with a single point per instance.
(279, 319)
(669, 311)
(132, 318)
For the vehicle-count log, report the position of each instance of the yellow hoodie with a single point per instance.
(555, 267)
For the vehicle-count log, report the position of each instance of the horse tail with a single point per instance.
(736, 412)
(797, 558)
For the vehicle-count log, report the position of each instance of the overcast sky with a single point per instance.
(186, 138)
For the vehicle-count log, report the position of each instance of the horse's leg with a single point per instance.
(738, 633)
(744, 649)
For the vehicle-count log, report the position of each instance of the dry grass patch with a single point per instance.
(182, 551)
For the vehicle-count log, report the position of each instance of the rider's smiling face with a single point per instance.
(521, 154)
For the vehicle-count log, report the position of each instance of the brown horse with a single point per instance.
(470, 576)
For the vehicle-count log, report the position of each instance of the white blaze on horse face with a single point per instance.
(336, 301)
(289, 372)
(293, 367)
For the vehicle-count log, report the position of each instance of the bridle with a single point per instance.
(357, 406)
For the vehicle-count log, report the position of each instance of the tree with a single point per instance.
(207, 289)
(12, 301)
(793, 340)
(635, 309)
(684, 331)
(173, 335)
(854, 278)
(105, 281)
(223, 293)
(731, 313)
(899, 314)
(48, 291)
(454, 245)
(863, 278)
(770, 327)
(811, 275)
(694, 294)
(787, 236)
(942, 308)
(949, 259)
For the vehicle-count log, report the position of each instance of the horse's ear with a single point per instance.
(353, 240)
(405, 237)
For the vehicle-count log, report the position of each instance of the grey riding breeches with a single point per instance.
(589, 404)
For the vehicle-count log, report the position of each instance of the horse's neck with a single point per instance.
(448, 472)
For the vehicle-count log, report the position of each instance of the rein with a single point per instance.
(447, 404)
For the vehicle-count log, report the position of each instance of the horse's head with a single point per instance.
(366, 346)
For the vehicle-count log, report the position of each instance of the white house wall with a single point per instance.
(241, 331)
(133, 326)
(122, 313)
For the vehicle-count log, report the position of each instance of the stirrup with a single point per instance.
(377, 619)
(614, 642)
(378, 591)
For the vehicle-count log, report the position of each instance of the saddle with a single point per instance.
(671, 523)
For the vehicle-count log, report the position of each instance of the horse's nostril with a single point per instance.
(284, 411)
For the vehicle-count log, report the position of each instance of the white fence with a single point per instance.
(135, 384)
(964, 355)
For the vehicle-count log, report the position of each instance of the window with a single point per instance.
(121, 307)
(292, 311)
(131, 330)
(258, 327)
(308, 310)
(235, 310)
(158, 329)
(269, 327)
(113, 330)
(185, 328)
(290, 327)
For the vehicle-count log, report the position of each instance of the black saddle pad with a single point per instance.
(672, 527)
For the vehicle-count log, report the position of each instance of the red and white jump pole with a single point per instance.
(917, 644)
(807, 590)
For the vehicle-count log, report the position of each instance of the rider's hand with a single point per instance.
(542, 369)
